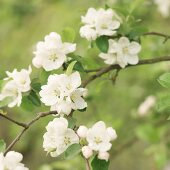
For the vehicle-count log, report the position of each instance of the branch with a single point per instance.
(26, 126)
(13, 121)
(105, 70)
(87, 164)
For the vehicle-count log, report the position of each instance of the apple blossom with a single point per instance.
(103, 156)
(82, 131)
(63, 94)
(122, 52)
(99, 22)
(58, 137)
(163, 7)
(12, 91)
(11, 161)
(87, 152)
(51, 53)
(21, 78)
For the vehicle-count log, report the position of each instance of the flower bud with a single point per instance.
(103, 156)
(112, 133)
(87, 152)
(82, 131)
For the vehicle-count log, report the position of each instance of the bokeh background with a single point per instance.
(143, 141)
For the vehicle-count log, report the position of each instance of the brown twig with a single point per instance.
(105, 70)
(87, 164)
(40, 115)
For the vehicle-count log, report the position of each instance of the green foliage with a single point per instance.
(72, 151)
(102, 43)
(34, 98)
(36, 85)
(98, 164)
(163, 103)
(2, 145)
(71, 122)
(70, 68)
(6, 101)
(164, 80)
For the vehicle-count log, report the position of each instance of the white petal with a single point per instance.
(132, 59)
(68, 48)
(124, 41)
(134, 48)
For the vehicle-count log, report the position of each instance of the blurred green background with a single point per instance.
(24, 23)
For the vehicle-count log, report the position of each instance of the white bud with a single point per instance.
(82, 131)
(87, 152)
(103, 156)
(112, 133)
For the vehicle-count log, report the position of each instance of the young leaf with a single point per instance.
(68, 35)
(70, 67)
(164, 80)
(36, 85)
(102, 43)
(163, 103)
(2, 145)
(27, 105)
(98, 164)
(71, 122)
(34, 98)
(79, 67)
(72, 151)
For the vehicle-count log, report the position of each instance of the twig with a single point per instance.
(13, 121)
(40, 115)
(105, 70)
(87, 164)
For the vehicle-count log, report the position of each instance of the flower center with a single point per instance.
(22, 81)
(125, 50)
(104, 26)
(69, 87)
(56, 92)
(67, 140)
(97, 140)
(53, 57)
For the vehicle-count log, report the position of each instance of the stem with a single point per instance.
(87, 164)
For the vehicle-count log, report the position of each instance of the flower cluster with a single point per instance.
(63, 94)
(58, 137)
(163, 7)
(122, 52)
(11, 161)
(99, 22)
(15, 84)
(98, 139)
(51, 53)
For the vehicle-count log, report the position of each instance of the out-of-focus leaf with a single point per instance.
(70, 67)
(72, 151)
(2, 145)
(6, 101)
(36, 85)
(27, 105)
(71, 122)
(164, 80)
(68, 35)
(136, 32)
(98, 164)
(34, 98)
(163, 103)
(102, 43)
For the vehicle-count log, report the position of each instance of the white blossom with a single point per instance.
(21, 78)
(147, 105)
(62, 93)
(87, 152)
(12, 161)
(103, 156)
(51, 53)
(58, 137)
(99, 22)
(163, 7)
(82, 131)
(12, 91)
(122, 52)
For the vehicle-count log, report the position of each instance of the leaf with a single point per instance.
(136, 32)
(102, 43)
(68, 34)
(71, 122)
(163, 103)
(70, 68)
(164, 80)
(6, 101)
(27, 105)
(36, 85)
(2, 145)
(98, 164)
(44, 76)
(78, 67)
(72, 151)
(34, 98)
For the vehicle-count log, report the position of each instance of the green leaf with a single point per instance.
(27, 105)
(68, 35)
(6, 101)
(71, 122)
(72, 151)
(2, 145)
(70, 67)
(164, 80)
(78, 67)
(44, 76)
(34, 98)
(36, 85)
(163, 103)
(102, 43)
(136, 32)
(98, 164)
